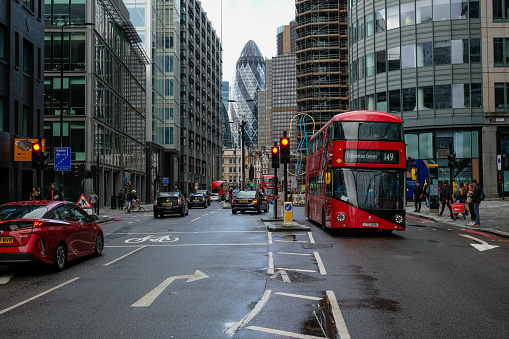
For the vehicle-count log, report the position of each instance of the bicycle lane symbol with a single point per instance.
(152, 238)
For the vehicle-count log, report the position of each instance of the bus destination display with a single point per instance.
(370, 156)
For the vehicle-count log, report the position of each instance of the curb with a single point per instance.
(480, 229)
(280, 228)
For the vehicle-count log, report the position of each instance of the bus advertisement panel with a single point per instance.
(356, 172)
(270, 186)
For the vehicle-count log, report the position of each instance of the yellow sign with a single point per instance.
(339, 161)
(23, 148)
(327, 178)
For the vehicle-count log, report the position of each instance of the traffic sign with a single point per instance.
(84, 203)
(166, 180)
(62, 159)
(124, 181)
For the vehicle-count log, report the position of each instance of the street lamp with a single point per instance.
(61, 188)
(243, 160)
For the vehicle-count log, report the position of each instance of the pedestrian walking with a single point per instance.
(470, 205)
(418, 194)
(34, 195)
(446, 197)
(230, 195)
(461, 197)
(93, 198)
(477, 197)
(54, 194)
(120, 199)
(426, 191)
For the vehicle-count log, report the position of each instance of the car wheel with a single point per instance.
(234, 211)
(183, 213)
(60, 258)
(99, 245)
(259, 210)
(156, 215)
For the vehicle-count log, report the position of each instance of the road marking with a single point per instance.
(321, 267)
(4, 279)
(122, 257)
(293, 253)
(37, 296)
(295, 269)
(181, 232)
(298, 296)
(284, 275)
(271, 264)
(195, 219)
(152, 295)
(182, 245)
(291, 240)
(244, 321)
(311, 239)
(482, 246)
(283, 333)
(489, 236)
(269, 235)
(338, 316)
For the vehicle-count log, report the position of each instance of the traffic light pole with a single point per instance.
(275, 195)
(285, 184)
(243, 159)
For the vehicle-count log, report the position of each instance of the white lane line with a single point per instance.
(269, 235)
(122, 257)
(321, 267)
(295, 269)
(290, 253)
(244, 321)
(283, 333)
(338, 316)
(291, 240)
(195, 219)
(311, 239)
(37, 296)
(298, 296)
(271, 264)
(4, 279)
(284, 276)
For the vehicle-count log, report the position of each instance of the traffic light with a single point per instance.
(82, 168)
(37, 157)
(44, 161)
(452, 161)
(275, 156)
(285, 149)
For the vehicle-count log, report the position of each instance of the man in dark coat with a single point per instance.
(446, 197)
(418, 194)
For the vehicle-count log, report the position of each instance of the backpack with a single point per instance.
(482, 196)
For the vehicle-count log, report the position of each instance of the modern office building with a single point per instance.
(285, 37)
(265, 140)
(200, 97)
(21, 94)
(423, 61)
(226, 127)
(249, 78)
(102, 100)
(160, 35)
(322, 59)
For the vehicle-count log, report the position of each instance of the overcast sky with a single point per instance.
(245, 20)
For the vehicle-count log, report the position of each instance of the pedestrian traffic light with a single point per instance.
(275, 156)
(37, 155)
(285, 149)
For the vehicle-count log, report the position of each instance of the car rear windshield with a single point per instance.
(11, 212)
(167, 194)
(196, 195)
(246, 194)
(202, 191)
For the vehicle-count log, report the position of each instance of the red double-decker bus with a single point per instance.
(270, 186)
(355, 172)
(220, 187)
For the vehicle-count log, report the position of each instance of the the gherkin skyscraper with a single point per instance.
(249, 78)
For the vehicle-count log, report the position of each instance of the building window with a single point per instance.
(442, 52)
(424, 11)
(4, 116)
(3, 43)
(380, 20)
(28, 57)
(395, 101)
(501, 96)
(370, 64)
(73, 95)
(381, 101)
(409, 99)
(392, 17)
(408, 56)
(443, 96)
(29, 4)
(500, 10)
(425, 98)
(370, 24)
(425, 54)
(380, 62)
(441, 10)
(501, 52)
(407, 16)
(459, 9)
(74, 51)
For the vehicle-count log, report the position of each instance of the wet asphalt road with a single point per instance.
(426, 282)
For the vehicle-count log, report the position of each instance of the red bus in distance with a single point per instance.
(269, 186)
(220, 187)
(355, 172)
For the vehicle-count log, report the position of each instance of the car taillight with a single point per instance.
(40, 247)
(155, 201)
(255, 201)
(38, 223)
(233, 201)
(180, 202)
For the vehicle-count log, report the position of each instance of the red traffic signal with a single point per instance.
(284, 142)
(36, 147)
(285, 150)
(275, 156)
(275, 150)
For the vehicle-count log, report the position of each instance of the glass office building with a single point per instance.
(249, 78)
(100, 93)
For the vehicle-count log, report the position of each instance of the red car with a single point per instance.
(51, 232)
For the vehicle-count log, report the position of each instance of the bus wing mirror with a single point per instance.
(327, 178)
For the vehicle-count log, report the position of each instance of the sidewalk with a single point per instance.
(494, 216)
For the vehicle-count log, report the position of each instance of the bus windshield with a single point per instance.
(369, 189)
(367, 130)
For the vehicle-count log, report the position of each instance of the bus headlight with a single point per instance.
(340, 217)
(398, 218)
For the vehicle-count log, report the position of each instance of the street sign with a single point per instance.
(499, 162)
(288, 213)
(166, 180)
(62, 159)
(124, 181)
